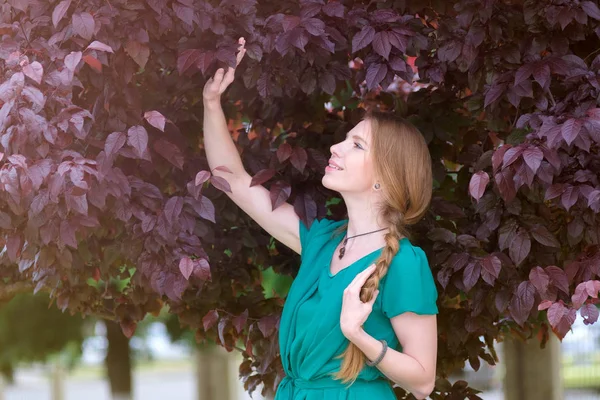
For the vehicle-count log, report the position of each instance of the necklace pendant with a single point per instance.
(342, 252)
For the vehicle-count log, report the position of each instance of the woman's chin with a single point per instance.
(331, 184)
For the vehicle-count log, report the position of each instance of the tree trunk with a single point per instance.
(118, 362)
(532, 373)
(57, 381)
(213, 374)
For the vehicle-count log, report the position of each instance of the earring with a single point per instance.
(377, 186)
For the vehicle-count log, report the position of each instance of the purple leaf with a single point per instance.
(314, 26)
(148, 223)
(543, 236)
(96, 45)
(173, 208)
(186, 266)
(184, 13)
(457, 261)
(541, 74)
(156, 119)
(279, 193)
(506, 184)
(558, 278)
(375, 74)
(334, 9)
(240, 321)
(67, 234)
(262, 176)
(327, 82)
(382, 45)
(571, 129)
(561, 318)
(398, 40)
(186, 59)
(569, 197)
(34, 71)
(471, 275)
(114, 142)
(523, 73)
(207, 210)
(170, 152)
(310, 9)
(533, 157)
(540, 279)
(299, 158)
(84, 25)
(491, 267)
(589, 312)
(14, 244)
(210, 319)
(591, 9)
(299, 38)
(494, 93)
(544, 305)
(201, 177)
(289, 22)
(478, 183)
(363, 38)
(520, 246)
(202, 269)
(220, 183)
(72, 60)
(59, 11)
(137, 137)
(306, 208)
(139, 52)
(522, 302)
(450, 51)
(267, 325)
(284, 151)
(512, 155)
(384, 15)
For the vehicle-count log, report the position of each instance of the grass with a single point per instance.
(163, 366)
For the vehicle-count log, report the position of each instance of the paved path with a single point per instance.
(155, 385)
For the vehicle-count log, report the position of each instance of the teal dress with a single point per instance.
(310, 337)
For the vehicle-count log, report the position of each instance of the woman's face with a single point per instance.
(350, 168)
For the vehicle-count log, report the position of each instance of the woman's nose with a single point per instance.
(335, 149)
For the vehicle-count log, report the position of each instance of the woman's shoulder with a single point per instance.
(322, 226)
(320, 231)
(410, 258)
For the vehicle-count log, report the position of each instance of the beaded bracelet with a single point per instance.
(378, 360)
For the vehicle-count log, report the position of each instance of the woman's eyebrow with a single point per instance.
(356, 137)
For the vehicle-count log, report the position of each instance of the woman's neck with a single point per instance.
(363, 217)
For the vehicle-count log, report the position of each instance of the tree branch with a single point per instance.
(10, 290)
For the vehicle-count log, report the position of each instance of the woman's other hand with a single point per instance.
(216, 85)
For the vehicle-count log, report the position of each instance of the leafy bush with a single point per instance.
(104, 179)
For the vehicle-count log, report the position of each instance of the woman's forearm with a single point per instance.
(218, 143)
(398, 367)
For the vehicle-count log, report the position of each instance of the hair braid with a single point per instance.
(353, 358)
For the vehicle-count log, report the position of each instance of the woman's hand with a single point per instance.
(216, 85)
(354, 311)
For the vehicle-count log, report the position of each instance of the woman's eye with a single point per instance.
(357, 145)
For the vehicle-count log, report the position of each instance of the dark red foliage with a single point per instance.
(103, 176)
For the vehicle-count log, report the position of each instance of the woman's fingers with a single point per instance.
(218, 77)
(228, 78)
(219, 82)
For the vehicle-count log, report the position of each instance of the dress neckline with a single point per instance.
(331, 253)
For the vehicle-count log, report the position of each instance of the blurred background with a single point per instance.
(49, 355)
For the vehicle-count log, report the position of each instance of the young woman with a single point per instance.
(363, 305)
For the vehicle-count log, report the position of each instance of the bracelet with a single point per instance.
(378, 360)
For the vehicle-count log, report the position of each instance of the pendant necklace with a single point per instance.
(343, 249)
